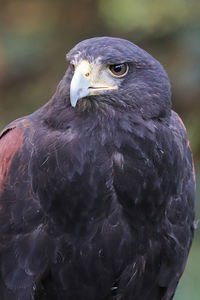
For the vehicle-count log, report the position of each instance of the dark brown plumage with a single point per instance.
(97, 186)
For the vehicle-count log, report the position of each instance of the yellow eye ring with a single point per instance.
(118, 70)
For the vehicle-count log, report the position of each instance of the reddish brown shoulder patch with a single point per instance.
(10, 141)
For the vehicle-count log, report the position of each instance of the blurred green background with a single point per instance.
(35, 36)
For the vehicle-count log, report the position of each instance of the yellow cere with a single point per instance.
(84, 68)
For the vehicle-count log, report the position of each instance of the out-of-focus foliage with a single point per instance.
(151, 17)
(36, 34)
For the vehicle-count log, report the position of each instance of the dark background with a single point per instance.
(35, 36)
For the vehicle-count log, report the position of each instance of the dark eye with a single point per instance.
(119, 70)
(72, 67)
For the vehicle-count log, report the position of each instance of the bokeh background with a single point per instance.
(36, 34)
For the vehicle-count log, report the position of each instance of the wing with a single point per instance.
(156, 189)
(180, 212)
(22, 238)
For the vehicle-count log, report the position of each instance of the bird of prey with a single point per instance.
(97, 186)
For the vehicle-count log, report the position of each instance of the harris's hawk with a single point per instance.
(97, 186)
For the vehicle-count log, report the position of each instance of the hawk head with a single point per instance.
(116, 72)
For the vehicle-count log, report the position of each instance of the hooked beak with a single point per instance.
(84, 83)
(79, 88)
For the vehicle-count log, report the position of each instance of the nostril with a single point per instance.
(87, 74)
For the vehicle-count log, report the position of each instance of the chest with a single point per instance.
(79, 174)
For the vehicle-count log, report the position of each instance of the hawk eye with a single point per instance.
(72, 67)
(119, 70)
